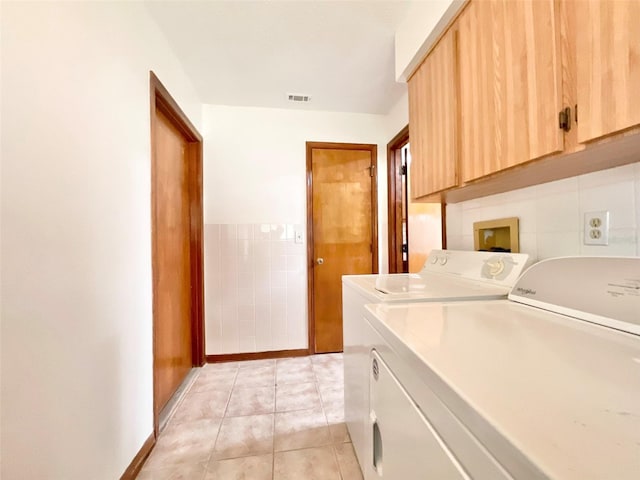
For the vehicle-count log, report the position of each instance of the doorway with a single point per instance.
(415, 227)
(398, 201)
(342, 234)
(176, 226)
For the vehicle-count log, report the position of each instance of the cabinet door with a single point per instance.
(509, 84)
(405, 445)
(608, 63)
(433, 121)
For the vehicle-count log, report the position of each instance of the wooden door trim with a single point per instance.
(394, 195)
(311, 321)
(373, 149)
(162, 100)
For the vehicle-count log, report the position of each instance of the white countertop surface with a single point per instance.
(564, 392)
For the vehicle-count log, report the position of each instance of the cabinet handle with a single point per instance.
(564, 119)
(320, 261)
(377, 448)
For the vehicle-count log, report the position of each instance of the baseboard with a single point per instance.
(135, 466)
(238, 357)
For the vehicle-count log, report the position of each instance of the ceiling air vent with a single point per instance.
(296, 97)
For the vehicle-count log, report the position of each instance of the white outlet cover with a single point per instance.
(599, 235)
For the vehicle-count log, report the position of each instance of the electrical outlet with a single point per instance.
(596, 228)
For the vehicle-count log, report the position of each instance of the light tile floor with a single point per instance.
(259, 420)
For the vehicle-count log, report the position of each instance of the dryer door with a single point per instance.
(405, 445)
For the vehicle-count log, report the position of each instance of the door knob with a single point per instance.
(320, 261)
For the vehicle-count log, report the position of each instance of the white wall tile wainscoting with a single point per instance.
(255, 288)
(552, 215)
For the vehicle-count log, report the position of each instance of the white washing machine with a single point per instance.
(447, 275)
(543, 385)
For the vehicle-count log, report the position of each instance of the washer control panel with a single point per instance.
(492, 267)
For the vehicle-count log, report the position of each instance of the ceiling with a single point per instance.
(254, 53)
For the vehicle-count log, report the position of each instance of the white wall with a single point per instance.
(552, 215)
(398, 117)
(255, 158)
(76, 256)
(255, 169)
(424, 22)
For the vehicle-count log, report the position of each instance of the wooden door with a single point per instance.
(176, 185)
(433, 122)
(173, 317)
(342, 232)
(510, 81)
(608, 66)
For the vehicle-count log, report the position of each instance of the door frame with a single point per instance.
(374, 222)
(162, 100)
(394, 199)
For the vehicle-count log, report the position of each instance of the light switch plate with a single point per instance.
(298, 236)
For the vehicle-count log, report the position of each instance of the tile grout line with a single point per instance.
(213, 449)
(273, 437)
(335, 456)
(317, 383)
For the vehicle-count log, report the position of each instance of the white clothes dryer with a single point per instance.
(447, 275)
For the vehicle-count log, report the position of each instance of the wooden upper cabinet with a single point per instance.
(433, 121)
(510, 84)
(489, 94)
(608, 64)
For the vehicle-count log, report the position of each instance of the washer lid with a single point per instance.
(400, 283)
(604, 290)
(424, 287)
(436, 286)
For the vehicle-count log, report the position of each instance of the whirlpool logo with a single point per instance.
(525, 291)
